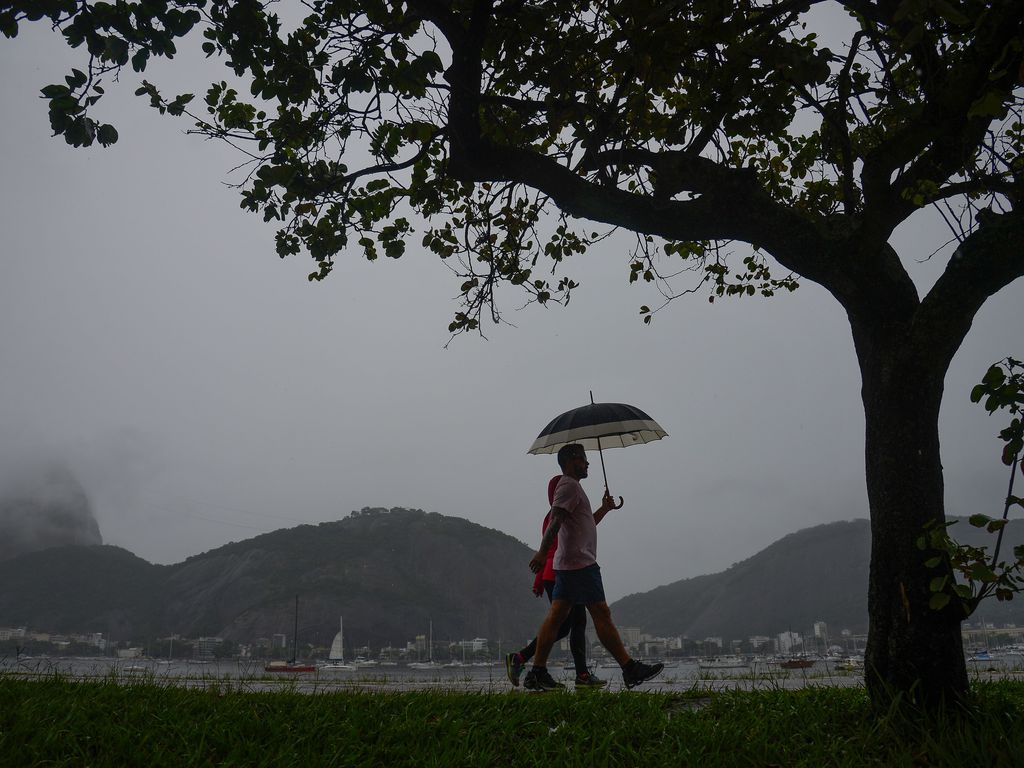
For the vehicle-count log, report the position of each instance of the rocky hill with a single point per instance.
(389, 573)
(816, 574)
(81, 589)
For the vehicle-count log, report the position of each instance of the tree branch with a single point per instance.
(989, 259)
(937, 141)
(754, 217)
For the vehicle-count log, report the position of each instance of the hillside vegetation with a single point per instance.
(391, 573)
(815, 574)
(388, 572)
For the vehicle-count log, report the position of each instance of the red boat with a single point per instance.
(797, 663)
(288, 666)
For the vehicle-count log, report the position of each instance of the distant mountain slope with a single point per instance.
(81, 589)
(815, 574)
(389, 573)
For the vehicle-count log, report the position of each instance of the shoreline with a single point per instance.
(250, 676)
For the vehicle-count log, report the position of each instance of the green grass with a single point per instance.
(56, 722)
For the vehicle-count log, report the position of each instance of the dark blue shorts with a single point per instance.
(580, 587)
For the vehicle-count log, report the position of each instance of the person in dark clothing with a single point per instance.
(575, 625)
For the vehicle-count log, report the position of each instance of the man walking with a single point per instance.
(577, 574)
(575, 624)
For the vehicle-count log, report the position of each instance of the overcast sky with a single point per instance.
(204, 391)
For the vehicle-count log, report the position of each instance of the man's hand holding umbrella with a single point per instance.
(607, 505)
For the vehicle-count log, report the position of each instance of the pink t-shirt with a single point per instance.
(577, 538)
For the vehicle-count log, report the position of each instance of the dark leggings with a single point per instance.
(575, 626)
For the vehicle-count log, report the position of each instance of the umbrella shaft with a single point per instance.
(603, 472)
(600, 452)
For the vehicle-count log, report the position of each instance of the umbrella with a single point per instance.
(600, 426)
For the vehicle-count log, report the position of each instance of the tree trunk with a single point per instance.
(913, 651)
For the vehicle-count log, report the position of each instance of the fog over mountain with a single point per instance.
(43, 505)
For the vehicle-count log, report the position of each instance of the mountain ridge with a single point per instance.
(392, 573)
(819, 573)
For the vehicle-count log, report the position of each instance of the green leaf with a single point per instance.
(990, 104)
(994, 376)
(8, 24)
(979, 521)
(984, 574)
(55, 91)
(938, 601)
(106, 135)
(937, 584)
(76, 79)
(116, 51)
(139, 59)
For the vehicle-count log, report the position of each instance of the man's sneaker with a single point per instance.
(589, 680)
(514, 667)
(538, 679)
(636, 672)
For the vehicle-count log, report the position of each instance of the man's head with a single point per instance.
(573, 460)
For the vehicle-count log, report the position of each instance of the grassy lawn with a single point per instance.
(55, 722)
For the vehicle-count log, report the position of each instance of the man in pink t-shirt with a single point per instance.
(574, 626)
(577, 574)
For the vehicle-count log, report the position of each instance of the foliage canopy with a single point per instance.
(689, 123)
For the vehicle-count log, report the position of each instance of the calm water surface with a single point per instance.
(250, 675)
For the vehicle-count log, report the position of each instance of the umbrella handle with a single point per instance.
(608, 495)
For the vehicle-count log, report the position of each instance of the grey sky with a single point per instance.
(203, 391)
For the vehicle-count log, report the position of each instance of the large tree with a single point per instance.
(508, 130)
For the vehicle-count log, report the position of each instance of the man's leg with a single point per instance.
(607, 633)
(585, 678)
(548, 633)
(577, 622)
(633, 672)
(515, 661)
(527, 653)
(538, 678)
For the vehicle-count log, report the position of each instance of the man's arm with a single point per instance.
(607, 505)
(557, 516)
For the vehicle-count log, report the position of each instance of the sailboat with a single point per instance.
(336, 657)
(430, 663)
(291, 665)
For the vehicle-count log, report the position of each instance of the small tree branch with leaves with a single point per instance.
(981, 576)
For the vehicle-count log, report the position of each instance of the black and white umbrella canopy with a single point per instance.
(598, 426)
